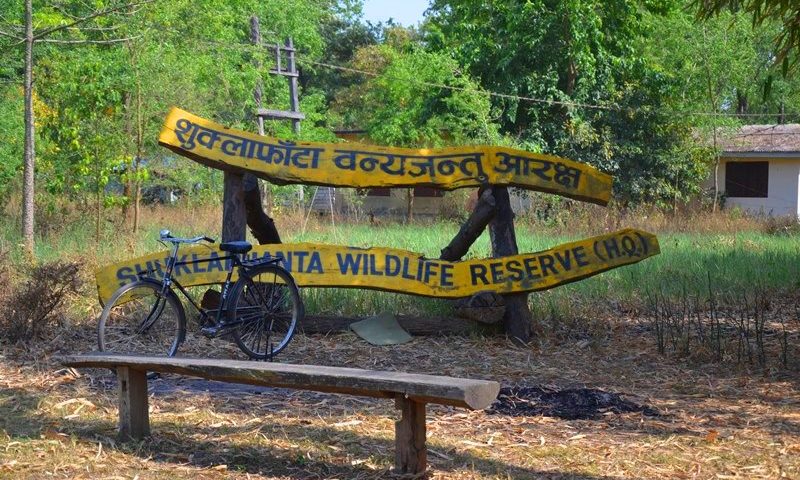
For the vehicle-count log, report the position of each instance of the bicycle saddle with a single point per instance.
(239, 246)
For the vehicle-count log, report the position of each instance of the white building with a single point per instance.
(759, 169)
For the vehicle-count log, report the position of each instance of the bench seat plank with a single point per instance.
(459, 392)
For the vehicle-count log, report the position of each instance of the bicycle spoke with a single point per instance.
(267, 305)
(144, 322)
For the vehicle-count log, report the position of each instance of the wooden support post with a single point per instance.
(481, 216)
(410, 452)
(134, 419)
(518, 319)
(234, 216)
(261, 225)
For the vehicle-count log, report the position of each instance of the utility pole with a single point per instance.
(290, 72)
(242, 199)
(286, 51)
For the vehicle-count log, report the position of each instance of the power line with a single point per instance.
(545, 101)
(542, 101)
(473, 90)
(303, 59)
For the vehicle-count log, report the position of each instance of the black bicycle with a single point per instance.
(260, 310)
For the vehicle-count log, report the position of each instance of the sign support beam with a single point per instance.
(518, 319)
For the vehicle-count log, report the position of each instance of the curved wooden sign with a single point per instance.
(401, 271)
(359, 165)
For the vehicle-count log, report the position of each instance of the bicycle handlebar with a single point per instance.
(166, 236)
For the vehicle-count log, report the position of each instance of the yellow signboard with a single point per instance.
(359, 165)
(394, 270)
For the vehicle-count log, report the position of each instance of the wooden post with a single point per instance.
(469, 232)
(234, 217)
(261, 225)
(518, 319)
(134, 419)
(410, 452)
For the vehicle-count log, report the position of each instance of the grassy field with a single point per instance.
(739, 257)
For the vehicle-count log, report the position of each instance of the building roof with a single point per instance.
(783, 138)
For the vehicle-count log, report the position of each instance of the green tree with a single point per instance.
(785, 13)
(414, 98)
(107, 77)
(723, 66)
(575, 84)
(52, 21)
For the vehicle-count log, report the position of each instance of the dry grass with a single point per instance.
(713, 422)
(572, 217)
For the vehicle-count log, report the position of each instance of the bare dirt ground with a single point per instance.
(698, 421)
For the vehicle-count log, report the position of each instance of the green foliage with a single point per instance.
(724, 64)
(785, 13)
(599, 100)
(93, 98)
(10, 136)
(416, 98)
(344, 33)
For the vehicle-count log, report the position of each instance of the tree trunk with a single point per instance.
(128, 187)
(713, 101)
(483, 213)
(409, 205)
(741, 102)
(518, 319)
(139, 152)
(30, 159)
(261, 225)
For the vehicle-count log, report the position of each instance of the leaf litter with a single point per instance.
(641, 415)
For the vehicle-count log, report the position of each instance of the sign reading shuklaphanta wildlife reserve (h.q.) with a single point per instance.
(360, 165)
(394, 270)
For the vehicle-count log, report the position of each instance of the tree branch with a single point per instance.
(97, 29)
(39, 36)
(11, 36)
(99, 13)
(89, 42)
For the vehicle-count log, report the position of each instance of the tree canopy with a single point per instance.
(630, 86)
(786, 41)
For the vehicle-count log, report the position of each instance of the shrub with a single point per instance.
(31, 309)
(787, 225)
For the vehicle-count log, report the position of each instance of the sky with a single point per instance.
(404, 12)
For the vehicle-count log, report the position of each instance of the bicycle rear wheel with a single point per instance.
(139, 319)
(267, 303)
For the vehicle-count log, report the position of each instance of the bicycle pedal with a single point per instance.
(218, 330)
(209, 331)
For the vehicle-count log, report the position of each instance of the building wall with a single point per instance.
(783, 194)
(396, 204)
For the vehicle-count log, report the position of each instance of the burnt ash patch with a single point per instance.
(567, 404)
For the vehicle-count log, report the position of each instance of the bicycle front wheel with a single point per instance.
(266, 301)
(139, 319)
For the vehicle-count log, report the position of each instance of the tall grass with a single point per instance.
(732, 252)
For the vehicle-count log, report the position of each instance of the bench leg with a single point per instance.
(410, 452)
(134, 421)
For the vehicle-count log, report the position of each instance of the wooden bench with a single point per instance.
(410, 391)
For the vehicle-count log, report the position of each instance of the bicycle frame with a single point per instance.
(167, 282)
